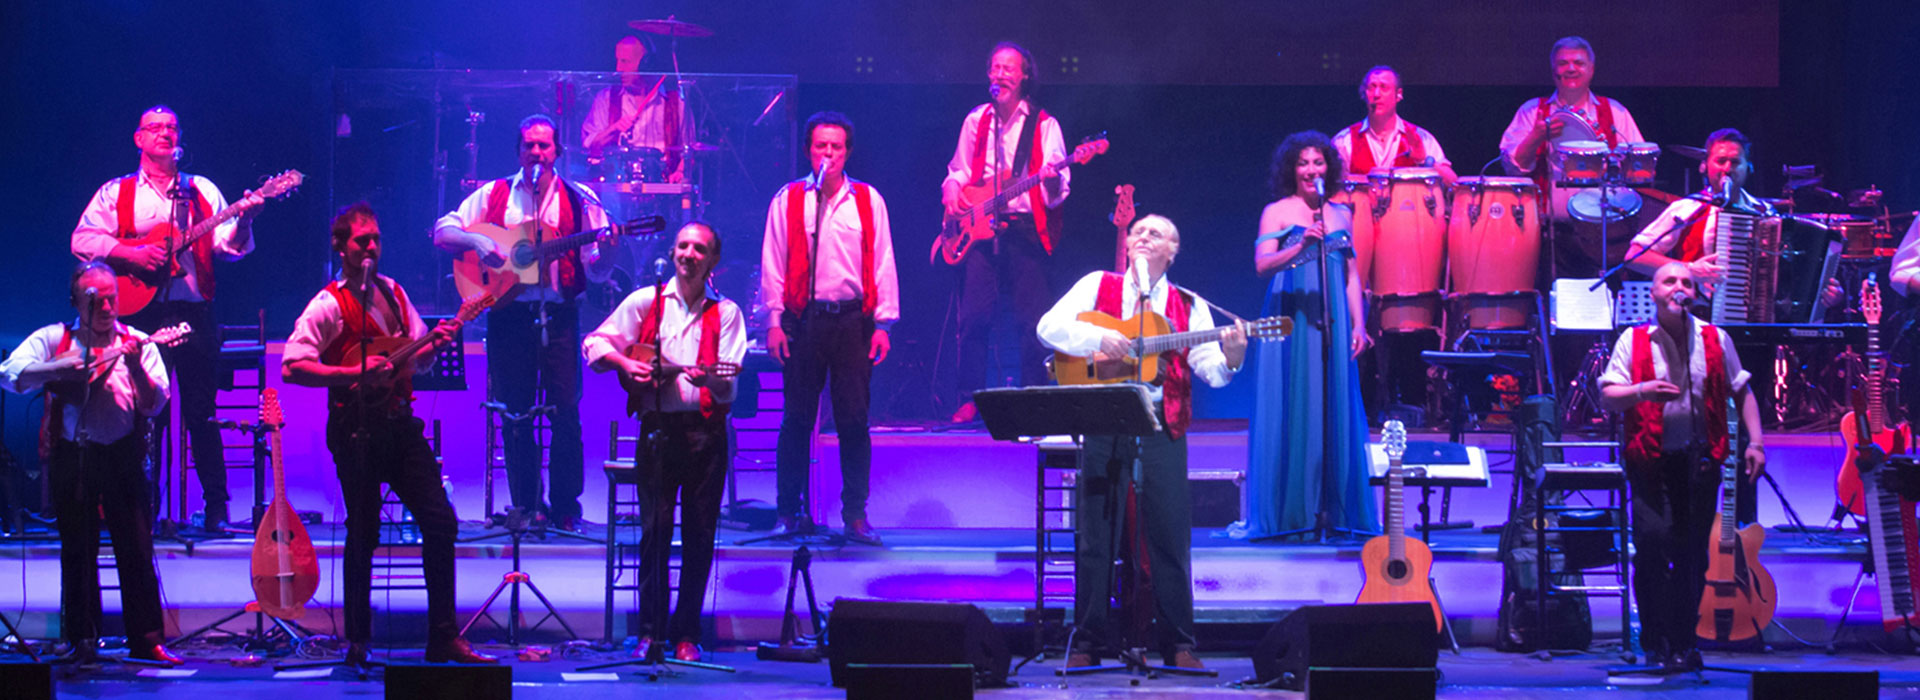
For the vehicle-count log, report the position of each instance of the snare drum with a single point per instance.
(1637, 163)
(1353, 192)
(1581, 163)
(1410, 246)
(1493, 248)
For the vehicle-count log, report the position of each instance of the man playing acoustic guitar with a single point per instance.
(1166, 511)
(390, 446)
(683, 391)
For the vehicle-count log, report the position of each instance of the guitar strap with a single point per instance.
(1029, 160)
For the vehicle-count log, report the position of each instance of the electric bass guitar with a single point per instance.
(983, 203)
(284, 569)
(1397, 568)
(521, 258)
(400, 350)
(1122, 218)
(1739, 600)
(663, 371)
(1151, 335)
(137, 287)
(1869, 426)
(102, 362)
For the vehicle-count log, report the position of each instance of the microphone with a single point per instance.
(92, 292)
(1320, 187)
(994, 90)
(659, 268)
(179, 154)
(1726, 190)
(819, 172)
(533, 183)
(1140, 274)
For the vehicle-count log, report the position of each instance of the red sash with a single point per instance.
(709, 354)
(1541, 172)
(1412, 152)
(568, 276)
(351, 317)
(1047, 225)
(799, 281)
(1176, 385)
(202, 249)
(1694, 245)
(1644, 424)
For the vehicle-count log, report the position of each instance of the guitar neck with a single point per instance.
(1396, 516)
(207, 226)
(1730, 474)
(568, 242)
(1016, 188)
(1876, 399)
(1179, 341)
(279, 471)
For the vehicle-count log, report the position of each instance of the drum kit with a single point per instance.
(633, 174)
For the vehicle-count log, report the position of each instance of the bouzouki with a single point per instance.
(400, 350)
(284, 569)
(663, 371)
(1122, 218)
(984, 202)
(137, 287)
(522, 258)
(1739, 599)
(1870, 417)
(1397, 568)
(102, 362)
(1151, 336)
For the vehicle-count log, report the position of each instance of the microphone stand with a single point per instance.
(1684, 225)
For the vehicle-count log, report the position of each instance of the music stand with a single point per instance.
(1102, 409)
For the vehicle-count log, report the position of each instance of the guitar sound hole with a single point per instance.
(1396, 569)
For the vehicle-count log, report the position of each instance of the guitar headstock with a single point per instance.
(471, 307)
(1094, 145)
(1394, 436)
(1870, 299)
(171, 335)
(1271, 328)
(643, 225)
(1122, 206)
(281, 185)
(270, 409)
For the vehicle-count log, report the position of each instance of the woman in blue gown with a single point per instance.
(1309, 428)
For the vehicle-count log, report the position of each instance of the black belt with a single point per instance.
(836, 307)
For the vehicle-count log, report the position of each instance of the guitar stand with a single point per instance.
(261, 636)
(515, 579)
(794, 646)
(19, 640)
(1910, 633)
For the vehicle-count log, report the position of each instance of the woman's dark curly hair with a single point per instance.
(1286, 159)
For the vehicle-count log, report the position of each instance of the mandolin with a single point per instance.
(400, 349)
(1870, 418)
(137, 287)
(1739, 600)
(663, 371)
(987, 201)
(1151, 335)
(102, 362)
(1397, 568)
(284, 569)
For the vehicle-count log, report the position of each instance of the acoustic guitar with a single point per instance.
(102, 362)
(522, 258)
(1151, 335)
(284, 569)
(1397, 568)
(1122, 218)
(663, 371)
(137, 287)
(1739, 600)
(1868, 425)
(401, 350)
(984, 202)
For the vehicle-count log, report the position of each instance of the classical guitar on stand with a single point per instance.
(1157, 337)
(1868, 425)
(522, 257)
(137, 287)
(1739, 600)
(284, 568)
(1122, 218)
(984, 203)
(1397, 568)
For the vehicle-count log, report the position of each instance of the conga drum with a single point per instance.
(1493, 246)
(1353, 192)
(1410, 246)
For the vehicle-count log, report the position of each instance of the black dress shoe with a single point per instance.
(457, 651)
(358, 653)
(862, 532)
(157, 652)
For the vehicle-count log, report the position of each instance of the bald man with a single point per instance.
(648, 114)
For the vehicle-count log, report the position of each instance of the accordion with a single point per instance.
(1775, 266)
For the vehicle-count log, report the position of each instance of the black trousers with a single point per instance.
(1673, 512)
(195, 364)
(687, 464)
(1166, 521)
(514, 351)
(88, 482)
(397, 453)
(828, 350)
(1012, 263)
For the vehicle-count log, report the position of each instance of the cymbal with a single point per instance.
(670, 27)
(1694, 152)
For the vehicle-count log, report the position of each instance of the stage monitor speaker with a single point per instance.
(884, 632)
(1375, 635)
(27, 681)
(1827, 685)
(917, 681)
(449, 682)
(1371, 683)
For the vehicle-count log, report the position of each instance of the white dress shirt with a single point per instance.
(322, 322)
(94, 237)
(1520, 164)
(113, 404)
(1384, 150)
(1906, 261)
(838, 266)
(648, 131)
(1062, 330)
(520, 209)
(1052, 145)
(680, 330)
(1675, 216)
(1678, 415)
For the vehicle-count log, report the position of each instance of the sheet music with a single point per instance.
(1578, 307)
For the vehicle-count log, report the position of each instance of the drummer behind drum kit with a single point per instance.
(636, 175)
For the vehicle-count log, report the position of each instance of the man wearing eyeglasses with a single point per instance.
(129, 206)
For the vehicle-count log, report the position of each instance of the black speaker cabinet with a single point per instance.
(27, 681)
(449, 682)
(1378, 635)
(1370, 683)
(888, 633)
(1826, 685)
